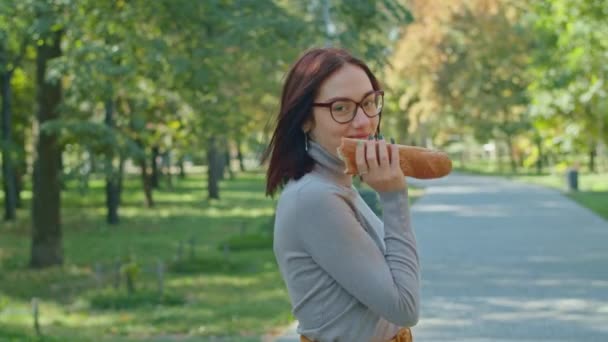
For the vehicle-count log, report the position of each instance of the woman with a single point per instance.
(350, 276)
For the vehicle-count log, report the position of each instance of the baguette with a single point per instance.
(416, 162)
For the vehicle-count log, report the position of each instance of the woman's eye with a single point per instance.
(339, 108)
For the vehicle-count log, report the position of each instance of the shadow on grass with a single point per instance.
(221, 305)
(239, 303)
(89, 243)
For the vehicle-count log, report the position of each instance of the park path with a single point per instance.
(507, 261)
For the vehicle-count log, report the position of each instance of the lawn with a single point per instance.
(225, 284)
(593, 187)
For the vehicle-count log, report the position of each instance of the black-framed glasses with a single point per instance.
(344, 110)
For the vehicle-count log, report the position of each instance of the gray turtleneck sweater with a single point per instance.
(349, 275)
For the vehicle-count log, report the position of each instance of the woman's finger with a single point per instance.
(370, 154)
(383, 160)
(360, 158)
(395, 162)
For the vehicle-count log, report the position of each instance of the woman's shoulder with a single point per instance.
(313, 195)
(308, 197)
(312, 186)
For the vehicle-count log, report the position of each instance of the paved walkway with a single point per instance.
(505, 261)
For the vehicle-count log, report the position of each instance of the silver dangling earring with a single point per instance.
(306, 142)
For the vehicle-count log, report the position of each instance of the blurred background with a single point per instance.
(133, 198)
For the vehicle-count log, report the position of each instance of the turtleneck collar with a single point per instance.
(328, 164)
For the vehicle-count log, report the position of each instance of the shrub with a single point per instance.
(205, 264)
(116, 300)
(371, 198)
(247, 242)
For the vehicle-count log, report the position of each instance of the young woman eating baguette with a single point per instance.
(350, 275)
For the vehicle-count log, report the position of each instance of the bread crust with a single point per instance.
(416, 162)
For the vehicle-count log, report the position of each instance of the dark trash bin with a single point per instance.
(572, 179)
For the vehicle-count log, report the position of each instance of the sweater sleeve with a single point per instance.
(387, 284)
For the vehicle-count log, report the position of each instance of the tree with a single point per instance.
(570, 76)
(47, 247)
(411, 75)
(13, 43)
(467, 67)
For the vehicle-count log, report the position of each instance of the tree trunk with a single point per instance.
(62, 184)
(20, 170)
(592, 155)
(228, 163)
(221, 159)
(8, 170)
(46, 249)
(112, 186)
(512, 160)
(146, 180)
(228, 159)
(19, 175)
(154, 166)
(84, 173)
(541, 156)
(182, 170)
(112, 197)
(239, 155)
(147, 185)
(167, 169)
(121, 176)
(92, 162)
(498, 150)
(212, 169)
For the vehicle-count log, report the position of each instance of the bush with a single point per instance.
(3, 302)
(115, 300)
(371, 198)
(248, 242)
(205, 264)
(11, 334)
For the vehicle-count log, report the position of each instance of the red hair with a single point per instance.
(288, 158)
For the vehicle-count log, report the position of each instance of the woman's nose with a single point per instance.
(360, 118)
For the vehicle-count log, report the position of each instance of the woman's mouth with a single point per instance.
(360, 136)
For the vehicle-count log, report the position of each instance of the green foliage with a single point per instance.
(131, 271)
(247, 241)
(371, 198)
(13, 334)
(207, 264)
(569, 90)
(177, 72)
(528, 78)
(493, 97)
(3, 302)
(247, 299)
(119, 300)
(365, 27)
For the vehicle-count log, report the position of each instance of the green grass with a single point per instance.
(237, 294)
(593, 187)
(237, 304)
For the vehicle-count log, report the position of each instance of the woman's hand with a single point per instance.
(378, 165)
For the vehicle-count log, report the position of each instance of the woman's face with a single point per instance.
(351, 82)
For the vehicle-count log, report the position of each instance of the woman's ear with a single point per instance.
(307, 126)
